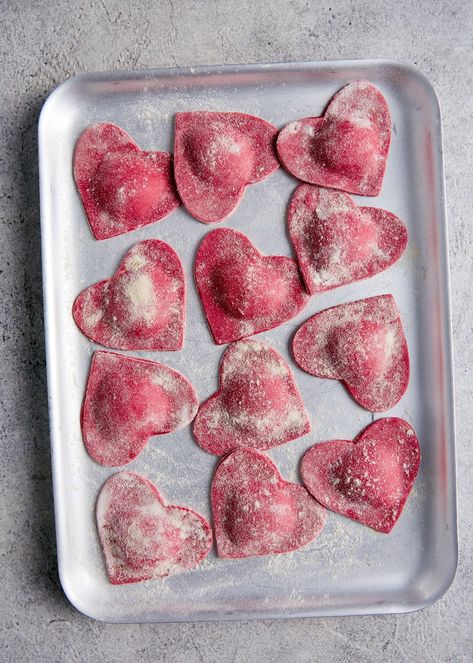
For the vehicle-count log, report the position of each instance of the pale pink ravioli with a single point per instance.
(256, 512)
(257, 404)
(127, 400)
(363, 345)
(122, 187)
(142, 537)
(216, 155)
(345, 149)
(242, 291)
(337, 242)
(142, 306)
(369, 479)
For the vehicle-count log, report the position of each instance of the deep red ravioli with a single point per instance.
(345, 149)
(257, 404)
(242, 291)
(142, 537)
(256, 512)
(142, 306)
(122, 187)
(363, 345)
(337, 242)
(369, 479)
(216, 155)
(127, 400)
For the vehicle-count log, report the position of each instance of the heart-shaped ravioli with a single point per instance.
(127, 400)
(345, 149)
(242, 291)
(142, 306)
(216, 155)
(257, 405)
(363, 345)
(337, 242)
(256, 512)
(369, 479)
(142, 538)
(122, 188)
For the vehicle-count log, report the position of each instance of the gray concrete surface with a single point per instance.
(42, 44)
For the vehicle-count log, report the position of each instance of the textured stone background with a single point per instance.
(44, 43)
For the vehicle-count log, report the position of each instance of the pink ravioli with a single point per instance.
(369, 479)
(345, 149)
(363, 345)
(122, 188)
(143, 538)
(242, 291)
(256, 512)
(216, 155)
(142, 306)
(337, 242)
(127, 400)
(257, 405)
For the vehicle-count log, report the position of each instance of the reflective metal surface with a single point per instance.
(349, 569)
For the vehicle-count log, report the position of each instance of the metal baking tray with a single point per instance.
(349, 569)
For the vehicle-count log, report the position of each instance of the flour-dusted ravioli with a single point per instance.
(144, 538)
(142, 306)
(257, 404)
(344, 149)
(122, 187)
(337, 242)
(216, 155)
(242, 291)
(256, 512)
(363, 345)
(127, 400)
(368, 479)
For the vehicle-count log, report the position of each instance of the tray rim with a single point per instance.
(448, 383)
